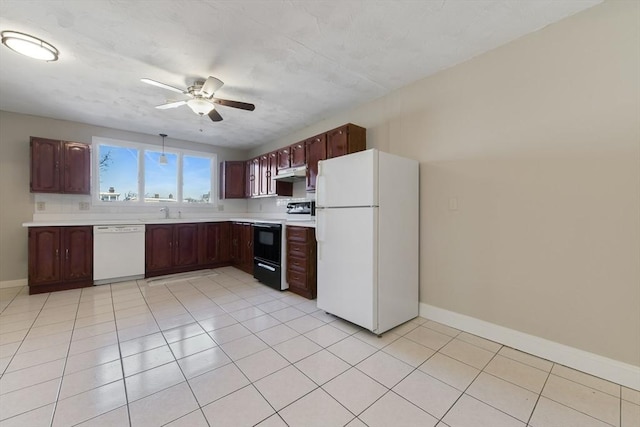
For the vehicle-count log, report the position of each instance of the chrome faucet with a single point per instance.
(166, 212)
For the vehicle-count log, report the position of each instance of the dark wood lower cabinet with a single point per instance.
(242, 246)
(171, 248)
(60, 258)
(301, 261)
(215, 244)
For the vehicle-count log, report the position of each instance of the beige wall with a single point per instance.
(539, 143)
(17, 204)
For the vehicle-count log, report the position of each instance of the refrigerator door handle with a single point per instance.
(320, 194)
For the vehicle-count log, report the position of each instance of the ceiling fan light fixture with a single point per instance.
(30, 46)
(200, 106)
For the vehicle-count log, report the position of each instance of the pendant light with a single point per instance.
(163, 159)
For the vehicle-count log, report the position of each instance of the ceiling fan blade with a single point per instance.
(215, 116)
(234, 104)
(171, 104)
(210, 86)
(162, 85)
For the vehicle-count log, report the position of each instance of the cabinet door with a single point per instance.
(45, 165)
(225, 242)
(265, 175)
(337, 142)
(158, 247)
(316, 151)
(255, 171)
(284, 158)
(236, 235)
(185, 245)
(44, 255)
(77, 158)
(78, 253)
(232, 180)
(215, 243)
(247, 248)
(346, 139)
(298, 154)
(249, 178)
(272, 171)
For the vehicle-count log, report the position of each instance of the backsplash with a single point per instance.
(63, 206)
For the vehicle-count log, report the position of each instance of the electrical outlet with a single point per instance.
(453, 203)
(220, 208)
(260, 207)
(83, 206)
(40, 206)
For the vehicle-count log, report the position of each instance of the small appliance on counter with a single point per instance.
(301, 211)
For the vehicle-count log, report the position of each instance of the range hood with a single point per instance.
(292, 174)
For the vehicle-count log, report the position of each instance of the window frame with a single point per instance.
(142, 148)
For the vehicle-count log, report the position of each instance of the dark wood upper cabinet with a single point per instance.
(346, 139)
(274, 186)
(316, 151)
(284, 158)
(60, 258)
(60, 166)
(232, 180)
(265, 175)
(298, 154)
(254, 175)
(45, 165)
(77, 166)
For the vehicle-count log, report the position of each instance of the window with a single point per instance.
(118, 172)
(160, 180)
(125, 170)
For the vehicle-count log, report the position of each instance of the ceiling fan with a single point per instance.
(202, 100)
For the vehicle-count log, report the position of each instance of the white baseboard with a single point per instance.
(600, 366)
(12, 283)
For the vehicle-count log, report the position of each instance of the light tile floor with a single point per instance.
(223, 350)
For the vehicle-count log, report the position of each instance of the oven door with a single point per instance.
(266, 242)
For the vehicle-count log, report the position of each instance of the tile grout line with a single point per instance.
(535, 405)
(55, 406)
(124, 383)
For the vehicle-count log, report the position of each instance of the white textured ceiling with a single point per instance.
(297, 61)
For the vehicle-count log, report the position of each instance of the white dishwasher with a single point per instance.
(118, 253)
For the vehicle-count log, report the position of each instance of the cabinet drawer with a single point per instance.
(297, 278)
(297, 249)
(298, 234)
(297, 263)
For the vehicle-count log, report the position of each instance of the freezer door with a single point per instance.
(347, 264)
(347, 181)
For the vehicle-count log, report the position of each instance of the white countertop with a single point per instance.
(144, 221)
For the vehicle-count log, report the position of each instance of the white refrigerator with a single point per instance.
(367, 226)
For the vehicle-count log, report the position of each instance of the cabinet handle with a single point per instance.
(66, 253)
(177, 243)
(57, 253)
(170, 245)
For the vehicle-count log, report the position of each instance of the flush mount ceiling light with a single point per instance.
(29, 46)
(163, 159)
(200, 106)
